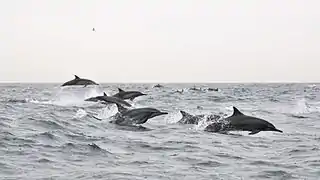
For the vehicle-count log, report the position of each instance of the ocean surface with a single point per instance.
(46, 132)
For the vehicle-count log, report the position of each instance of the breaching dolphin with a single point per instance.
(240, 122)
(128, 94)
(108, 99)
(195, 119)
(135, 116)
(79, 82)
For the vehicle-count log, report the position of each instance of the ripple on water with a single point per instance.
(278, 174)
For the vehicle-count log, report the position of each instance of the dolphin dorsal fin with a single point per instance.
(120, 90)
(105, 94)
(76, 77)
(236, 112)
(184, 114)
(121, 109)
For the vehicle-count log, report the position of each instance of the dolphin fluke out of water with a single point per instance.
(77, 81)
(241, 122)
(128, 94)
(135, 116)
(108, 100)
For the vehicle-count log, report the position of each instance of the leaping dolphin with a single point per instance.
(240, 122)
(135, 116)
(77, 81)
(128, 94)
(108, 99)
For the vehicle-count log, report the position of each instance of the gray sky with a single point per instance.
(160, 40)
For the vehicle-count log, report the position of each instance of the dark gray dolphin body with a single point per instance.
(77, 81)
(158, 86)
(240, 122)
(195, 119)
(108, 100)
(128, 94)
(213, 89)
(135, 116)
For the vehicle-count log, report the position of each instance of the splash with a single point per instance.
(80, 113)
(72, 96)
(302, 107)
(202, 124)
(173, 118)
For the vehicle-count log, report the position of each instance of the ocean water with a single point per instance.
(46, 132)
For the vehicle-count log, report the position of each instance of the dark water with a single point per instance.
(46, 133)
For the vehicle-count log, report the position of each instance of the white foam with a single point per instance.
(72, 96)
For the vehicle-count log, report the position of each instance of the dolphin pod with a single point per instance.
(238, 121)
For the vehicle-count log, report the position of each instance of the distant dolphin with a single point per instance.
(158, 86)
(177, 91)
(195, 89)
(240, 122)
(195, 119)
(128, 94)
(135, 116)
(213, 89)
(79, 82)
(108, 99)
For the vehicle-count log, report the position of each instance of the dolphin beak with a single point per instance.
(143, 94)
(161, 113)
(277, 130)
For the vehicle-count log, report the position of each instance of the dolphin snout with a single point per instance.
(163, 113)
(278, 130)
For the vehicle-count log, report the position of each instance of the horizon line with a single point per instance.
(159, 82)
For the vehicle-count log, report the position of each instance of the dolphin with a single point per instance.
(195, 89)
(195, 119)
(241, 122)
(77, 81)
(213, 89)
(158, 86)
(108, 99)
(128, 94)
(135, 116)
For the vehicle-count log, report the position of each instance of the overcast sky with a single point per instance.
(160, 40)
